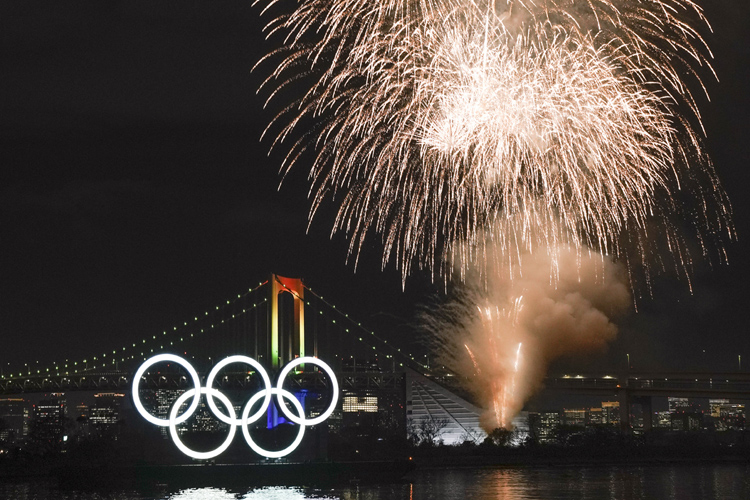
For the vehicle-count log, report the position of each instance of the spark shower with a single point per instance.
(495, 141)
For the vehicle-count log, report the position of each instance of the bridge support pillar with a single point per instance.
(293, 286)
(623, 397)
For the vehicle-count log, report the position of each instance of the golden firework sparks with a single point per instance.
(441, 125)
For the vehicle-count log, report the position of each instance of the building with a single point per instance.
(687, 421)
(638, 416)
(548, 423)
(595, 416)
(79, 419)
(678, 404)
(685, 415)
(14, 421)
(159, 403)
(715, 406)
(81, 412)
(353, 403)
(48, 424)
(203, 420)
(574, 417)
(104, 414)
(662, 420)
(733, 416)
(521, 428)
(429, 404)
(360, 411)
(611, 413)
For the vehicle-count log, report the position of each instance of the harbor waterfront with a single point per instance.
(378, 422)
(375, 250)
(707, 481)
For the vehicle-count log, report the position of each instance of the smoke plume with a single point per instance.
(500, 337)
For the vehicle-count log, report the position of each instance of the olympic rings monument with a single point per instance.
(231, 419)
(279, 285)
(422, 398)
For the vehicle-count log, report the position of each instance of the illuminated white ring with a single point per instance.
(233, 422)
(137, 380)
(246, 432)
(210, 381)
(202, 455)
(334, 385)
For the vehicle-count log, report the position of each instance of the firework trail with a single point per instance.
(491, 139)
(502, 353)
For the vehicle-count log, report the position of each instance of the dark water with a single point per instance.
(681, 482)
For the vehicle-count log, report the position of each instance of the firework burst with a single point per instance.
(499, 339)
(515, 140)
(495, 371)
(443, 125)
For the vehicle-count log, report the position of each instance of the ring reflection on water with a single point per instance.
(615, 482)
(266, 493)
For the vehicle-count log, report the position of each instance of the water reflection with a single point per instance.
(680, 482)
(266, 493)
(667, 482)
(204, 494)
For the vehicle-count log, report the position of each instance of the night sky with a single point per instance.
(135, 191)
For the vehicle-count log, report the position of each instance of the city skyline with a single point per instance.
(61, 420)
(137, 194)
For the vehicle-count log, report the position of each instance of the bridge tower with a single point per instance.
(286, 344)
